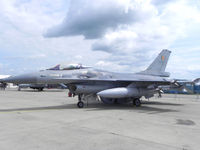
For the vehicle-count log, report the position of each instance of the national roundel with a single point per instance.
(163, 58)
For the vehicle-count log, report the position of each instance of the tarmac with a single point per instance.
(50, 120)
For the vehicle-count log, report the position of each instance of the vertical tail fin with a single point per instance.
(158, 66)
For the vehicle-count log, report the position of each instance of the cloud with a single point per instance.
(78, 57)
(138, 44)
(161, 2)
(93, 18)
(157, 32)
(106, 65)
(1, 65)
(136, 39)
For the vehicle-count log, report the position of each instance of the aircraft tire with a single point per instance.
(80, 104)
(40, 89)
(137, 102)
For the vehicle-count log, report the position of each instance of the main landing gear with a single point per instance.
(40, 89)
(137, 102)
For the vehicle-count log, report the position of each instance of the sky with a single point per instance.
(115, 35)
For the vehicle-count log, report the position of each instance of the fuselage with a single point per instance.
(48, 76)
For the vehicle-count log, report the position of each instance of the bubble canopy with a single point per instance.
(68, 67)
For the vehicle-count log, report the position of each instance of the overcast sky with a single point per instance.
(116, 35)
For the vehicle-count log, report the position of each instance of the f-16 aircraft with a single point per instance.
(3, 85)
(109, 87)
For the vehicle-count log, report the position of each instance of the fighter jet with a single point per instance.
(3, 85)
(108, 87)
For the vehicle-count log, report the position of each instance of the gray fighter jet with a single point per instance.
(109, 87)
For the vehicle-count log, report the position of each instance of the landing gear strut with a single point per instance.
(80, 104)
(137, 102)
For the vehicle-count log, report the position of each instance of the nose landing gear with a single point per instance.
(80, 103)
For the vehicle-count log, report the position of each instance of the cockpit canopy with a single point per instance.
(68, 67)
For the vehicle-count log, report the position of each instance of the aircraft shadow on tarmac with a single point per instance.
(147, 107)
(161, 103)
(50, 90)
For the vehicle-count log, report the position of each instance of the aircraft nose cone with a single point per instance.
(21, 79)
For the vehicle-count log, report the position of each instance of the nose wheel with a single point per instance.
(80, 104)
